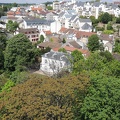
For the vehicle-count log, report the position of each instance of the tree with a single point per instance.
(101, 102)
(41, 38)
(108, 31)
(94, 21)
(107, 55)
(109, 26)
(95, 62)
(8, 85)
(117, 46)
(14, 4)
(105, 18)
(1, 12)
(93, 43)
(49, 7)
(62, 50)
(19, 51)
(12, 26)
(42, 98)
(4, 8)
(64, 41)
(1, 60)
(3, 41)
(76, 62)
(118, 20)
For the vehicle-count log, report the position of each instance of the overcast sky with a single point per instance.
(38, 1)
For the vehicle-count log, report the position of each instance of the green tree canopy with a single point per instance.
(62, 50)
(93, 43)
(118, 20)
(109, 26)
(101, 102)
(12, 26)
(42, 98)
(41, 38)
(77, 61)
(3, 41)
(117, 46)
(1, 60)
(18, 52)
(105, 18)
(49, 7)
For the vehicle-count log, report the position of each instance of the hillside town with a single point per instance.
(68, 25)
(60, 60)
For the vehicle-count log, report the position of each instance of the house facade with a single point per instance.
(32, 34)
(54, 62)
(107, 41)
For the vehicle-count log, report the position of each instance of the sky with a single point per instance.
(38, 1)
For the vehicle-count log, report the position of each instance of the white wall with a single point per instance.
(51, 66)
(55, 27)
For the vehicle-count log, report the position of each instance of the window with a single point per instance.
(60, 64)
(45, 61)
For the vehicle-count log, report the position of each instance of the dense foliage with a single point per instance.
(90, 92)
(101, 102)
(19, 52)
(93, 43)
(12, 26)
(42, 98)
(105, 18)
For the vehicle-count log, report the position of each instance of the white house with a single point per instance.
(108, 42)
(85, 25)
(54, 62)
(42, 24)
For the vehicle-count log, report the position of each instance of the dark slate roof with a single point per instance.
(86, 26)
(70, 6)
(85, 20)
(38, 21)
(96, 4)
(114, 6)
(73, 17)
(79, 3)
(61, 14)
(57, 56)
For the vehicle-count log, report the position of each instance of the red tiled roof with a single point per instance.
(17, 13)
(63, 29)
(71, 49)
(80, 34)
(49, 44)
(10, 13)
(56, 49)
(77, 33)
(35, 9)
(48, 32)
(106, 37)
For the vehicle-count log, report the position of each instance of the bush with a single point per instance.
(109, 27)
(100, 28)
(108, 31)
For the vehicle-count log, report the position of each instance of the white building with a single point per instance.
(54, 62)
(42, 25)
